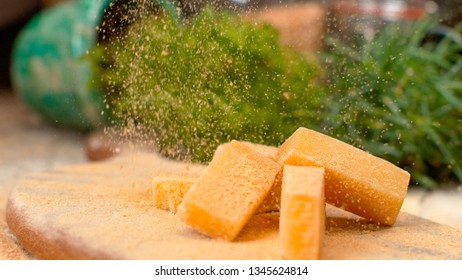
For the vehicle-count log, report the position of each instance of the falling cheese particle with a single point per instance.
(302, 215)
(355, 180)
(168, 192)
(229, 191)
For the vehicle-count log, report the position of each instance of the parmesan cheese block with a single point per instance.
(355, 180)
(226, 195)
(302, 216)
(272, 201)
(168, 192)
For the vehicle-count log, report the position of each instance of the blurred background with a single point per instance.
(15, 13)
(13, 16)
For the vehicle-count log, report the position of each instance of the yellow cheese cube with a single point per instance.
(302, 216)
(355, 180)
(226, 195)
(272, 201)
(168, 192)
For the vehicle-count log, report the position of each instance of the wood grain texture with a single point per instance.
(105, 211)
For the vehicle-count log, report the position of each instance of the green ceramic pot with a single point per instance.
(50, 69)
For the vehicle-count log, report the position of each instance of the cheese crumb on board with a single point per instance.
(226, 195)
(168, 192)
(302, 215)
(355, 180)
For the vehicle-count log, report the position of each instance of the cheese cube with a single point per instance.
(302, 215)
(226, 195)
(168, 192)
(272, 201)
(355, 180)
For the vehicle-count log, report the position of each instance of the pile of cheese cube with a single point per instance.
(308, 170)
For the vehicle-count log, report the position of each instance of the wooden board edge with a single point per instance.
(41, 245)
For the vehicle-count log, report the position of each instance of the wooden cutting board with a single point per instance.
(105, 211)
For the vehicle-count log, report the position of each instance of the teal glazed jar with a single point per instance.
(50, 68)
